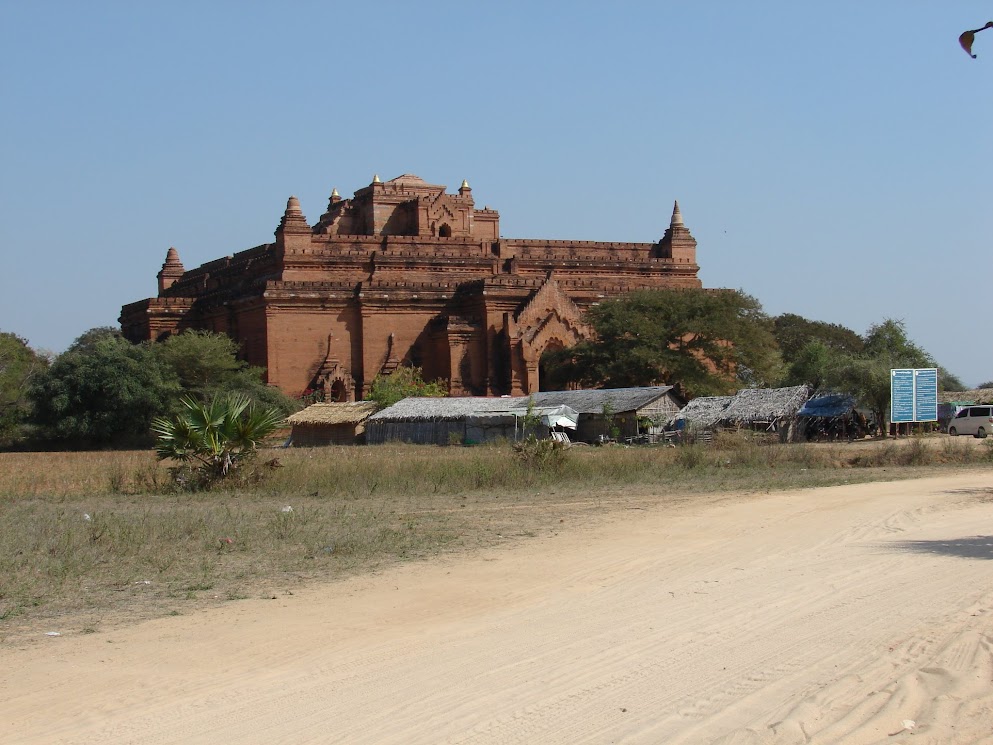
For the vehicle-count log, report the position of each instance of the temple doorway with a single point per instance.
(337, 392)
(552, 374)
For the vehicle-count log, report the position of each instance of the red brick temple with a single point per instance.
(405, 273)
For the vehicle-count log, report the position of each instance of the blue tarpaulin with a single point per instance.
(828, 404)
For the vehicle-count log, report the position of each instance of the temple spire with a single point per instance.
(678, 243)
(172, 258)
(172, 270)
(293, 220)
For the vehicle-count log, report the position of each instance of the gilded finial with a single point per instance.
(375, 179)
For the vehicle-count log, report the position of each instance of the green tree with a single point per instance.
(987, 384)
(948, 381)
(402, 383)
(867, 375)
(811, 365)
(86, 341)
(204, 362)
(889, 341)
(19, 366)
(213, 440)
(793, 334)
(206, 365)
(708, 342)
(105, 392)
(868, 379)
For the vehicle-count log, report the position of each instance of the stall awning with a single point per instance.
(550, 416)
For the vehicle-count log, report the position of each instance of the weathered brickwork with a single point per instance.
(405, 273)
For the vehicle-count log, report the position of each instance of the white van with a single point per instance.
(972, 420)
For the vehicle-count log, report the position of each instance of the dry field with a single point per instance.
(678, 612)
(92, 541)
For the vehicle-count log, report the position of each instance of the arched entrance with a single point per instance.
(337, 392)
(445, 231)
(547, 322)
(551, 367)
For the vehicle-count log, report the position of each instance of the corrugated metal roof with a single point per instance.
(346, 412)
(592, 401)
(426, 409)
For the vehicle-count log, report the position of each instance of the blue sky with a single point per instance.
(834, 160)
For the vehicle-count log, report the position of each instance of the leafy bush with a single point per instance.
(402, 383)
(541, 455)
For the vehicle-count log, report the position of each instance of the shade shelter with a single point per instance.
(591, 413)
(442, 421)
(766, 409)
(330, 423)
(832, 416)
(701, 413)
(624, 411)
(495, 424)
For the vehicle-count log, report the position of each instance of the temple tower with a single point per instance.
(677, 243)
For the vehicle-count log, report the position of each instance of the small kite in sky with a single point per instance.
(968, 37)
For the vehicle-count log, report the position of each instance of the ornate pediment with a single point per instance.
(549, 297)
(442, 207)
(333, 379)
(550, 317)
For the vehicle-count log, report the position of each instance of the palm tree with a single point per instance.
(213, 439)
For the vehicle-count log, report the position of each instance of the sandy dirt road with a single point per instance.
(854, 614)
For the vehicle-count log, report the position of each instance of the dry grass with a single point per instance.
(90, 540)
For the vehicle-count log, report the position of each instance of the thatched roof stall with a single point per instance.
(976, 396)
(437, 421)
(751, 406)
(770, 409)
(476, 419)
(603, 409)
(330, 424)
(702, 412)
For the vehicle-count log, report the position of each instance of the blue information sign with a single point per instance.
(902, 395)
(914, 395)
(926, 395)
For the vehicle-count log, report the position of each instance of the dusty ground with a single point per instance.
(853, 614)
